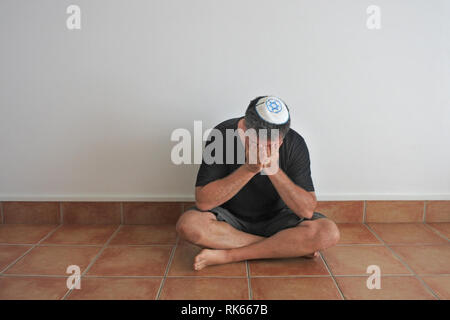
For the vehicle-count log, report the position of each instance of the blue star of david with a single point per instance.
(273, 105)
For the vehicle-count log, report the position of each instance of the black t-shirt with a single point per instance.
(258, 200)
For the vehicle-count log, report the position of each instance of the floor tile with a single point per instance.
(356, 233)
(409, 233)
(440, 285)
(354, 260)
(24, 233)
(394, 211)
(132, 261)
(145, 234)
(392, 288)
(79, 234)
(205, 289)
(427, 259)
(32, 288)
(31, 212)
(307, 288)
(438, 211)
(342, 211)
(116, 289)
(91, 212)
(151, 212)
(53, 260)
(287, 267)
(9, 253)
(443, 228)
(182, 264)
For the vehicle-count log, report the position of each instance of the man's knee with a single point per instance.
(323, 232)
(192, 224)
(329, 234)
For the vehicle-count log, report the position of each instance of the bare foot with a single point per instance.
(208, 257)
(312, 255)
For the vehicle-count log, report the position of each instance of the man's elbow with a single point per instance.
(308, 214)
(200, 203)
(203, 205)
(308, 211)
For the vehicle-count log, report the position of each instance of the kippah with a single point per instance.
(272, 110)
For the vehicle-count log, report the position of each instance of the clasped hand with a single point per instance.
(262, 157)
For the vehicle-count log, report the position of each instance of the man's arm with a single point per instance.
(220, 191)
(300, 201)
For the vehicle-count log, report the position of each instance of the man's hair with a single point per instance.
(254, 121)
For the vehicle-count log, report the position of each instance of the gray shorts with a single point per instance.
(284, 219)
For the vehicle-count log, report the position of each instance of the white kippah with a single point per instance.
(272, 110)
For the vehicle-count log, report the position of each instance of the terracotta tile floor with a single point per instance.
(150, 262)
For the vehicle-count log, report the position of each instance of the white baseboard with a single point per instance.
(381, 196)
(95, 197)
(162, 198)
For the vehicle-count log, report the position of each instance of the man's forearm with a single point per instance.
(220, 191)
(300, 201)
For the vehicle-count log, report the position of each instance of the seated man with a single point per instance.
(246, 211)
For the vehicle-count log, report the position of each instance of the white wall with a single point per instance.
(88, 114)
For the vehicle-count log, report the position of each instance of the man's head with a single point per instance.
(268, 112)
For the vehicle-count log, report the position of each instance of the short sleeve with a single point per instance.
(299, 165)
(210, 172)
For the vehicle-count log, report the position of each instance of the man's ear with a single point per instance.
(244, 127)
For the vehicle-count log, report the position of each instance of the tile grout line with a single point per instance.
(95, 245)
(400, 244)
(87, 245)
(406, 265)
(436, 232)
(61, 214)
(141, 245)
(332, 276)
(69, 291)
(19, 275)
(364, 211)
(249, 285)
(387, 275)
(1, 212)
(424, 211)
(386, 245)
(169, 263)
(185, 277)
(16, 244)
(425, 244)
(26, 252)
(358, 244)
(376, 235)
(121, 212)
(69, 245)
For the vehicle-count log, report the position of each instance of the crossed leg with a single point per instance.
(232, 245)
(203, 229)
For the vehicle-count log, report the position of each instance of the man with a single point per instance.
(246, 211)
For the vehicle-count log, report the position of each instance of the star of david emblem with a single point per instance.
(273, 105)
